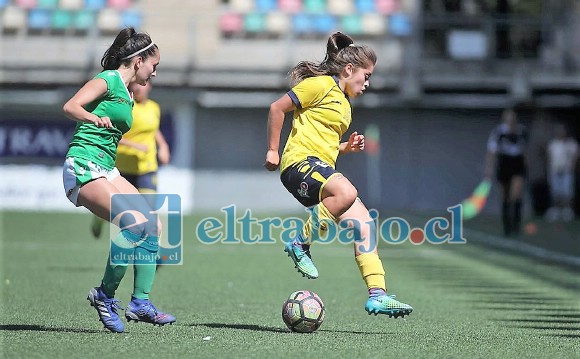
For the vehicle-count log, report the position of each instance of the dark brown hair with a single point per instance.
(340, 51)
(127, 42)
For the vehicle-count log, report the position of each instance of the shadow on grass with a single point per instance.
(42, 328)
(261, 328)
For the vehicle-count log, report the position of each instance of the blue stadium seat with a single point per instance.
(39, 19)
(131, 18)
(3, 3)
(324, 24)
(400, 24)
(365, 6)
(301, 24)
(266, 5)
(95, 4)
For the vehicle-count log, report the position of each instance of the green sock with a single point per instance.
(114, 273)
(145, 273)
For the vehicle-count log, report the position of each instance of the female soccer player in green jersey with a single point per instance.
(320, 99)
(102, 109)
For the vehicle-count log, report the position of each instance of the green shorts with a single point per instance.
(77, 172)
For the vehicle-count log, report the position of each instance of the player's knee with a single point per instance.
(152, 228)
(347, 196)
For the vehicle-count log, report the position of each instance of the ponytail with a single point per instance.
(340, 51)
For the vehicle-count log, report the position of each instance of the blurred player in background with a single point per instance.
(562, 159)
(320, 100)
(102, 109)
(506, 154)
(141, 147)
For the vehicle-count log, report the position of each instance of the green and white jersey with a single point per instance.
(99, 144)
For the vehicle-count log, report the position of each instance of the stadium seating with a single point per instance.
(13, 18)
(71, 4)
(39, 19)
(370, 18)
(57, 17)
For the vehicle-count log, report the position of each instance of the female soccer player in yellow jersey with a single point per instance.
(320, 99)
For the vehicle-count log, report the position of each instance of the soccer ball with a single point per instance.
(303, 311)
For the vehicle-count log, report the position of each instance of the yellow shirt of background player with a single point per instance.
(322, 116)
(146, 119)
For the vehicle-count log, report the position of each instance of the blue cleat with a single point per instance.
(107, 309)
(301, 257)
(142, 310)
(387, 304)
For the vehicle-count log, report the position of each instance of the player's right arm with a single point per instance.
(276, 116)
(75, 107)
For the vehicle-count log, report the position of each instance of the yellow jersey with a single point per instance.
(146, 119)
(322, 116)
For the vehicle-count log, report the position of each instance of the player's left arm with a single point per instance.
(163, 153)
(355, 143)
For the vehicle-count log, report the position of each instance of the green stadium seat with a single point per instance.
(62, 19)
(84, 20)
(351, 24)
(47, 4)
(254, 22)
(315, 6)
